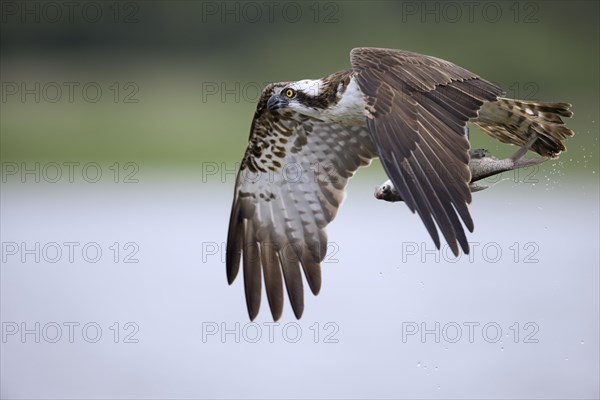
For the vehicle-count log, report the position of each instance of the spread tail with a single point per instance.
(518, 121)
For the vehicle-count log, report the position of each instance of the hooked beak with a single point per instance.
(276, 101)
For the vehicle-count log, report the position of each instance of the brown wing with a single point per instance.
(517, 121)
(289, 187)
(417, 110)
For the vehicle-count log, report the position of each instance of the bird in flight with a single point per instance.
(309, 137)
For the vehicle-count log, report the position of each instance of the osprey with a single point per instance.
(308, 138)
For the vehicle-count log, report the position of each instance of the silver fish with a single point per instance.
(481, 164)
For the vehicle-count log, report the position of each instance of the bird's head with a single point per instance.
(304, 97)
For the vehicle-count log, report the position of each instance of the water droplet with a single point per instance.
(439, 387)
(436, 368)
(566, 358)
(582, 342)
(419, 364)
(502, 348)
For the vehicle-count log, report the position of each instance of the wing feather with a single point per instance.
(417, 110)
(286, 193)
(293, 282)
(273, 278)
(252, 270)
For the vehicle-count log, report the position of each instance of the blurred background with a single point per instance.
(122, 126)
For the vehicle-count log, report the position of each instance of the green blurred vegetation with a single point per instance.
(176, 52)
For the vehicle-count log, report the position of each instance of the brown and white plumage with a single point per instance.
(309, 137)
(518, 121)
(289, 188)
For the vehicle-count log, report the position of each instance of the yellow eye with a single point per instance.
(290, 93)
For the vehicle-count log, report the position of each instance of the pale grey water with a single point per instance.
(373, 285)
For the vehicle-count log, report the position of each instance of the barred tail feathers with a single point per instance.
(517, 121)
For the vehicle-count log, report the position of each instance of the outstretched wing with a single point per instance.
(289, 187)
(417, 109)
